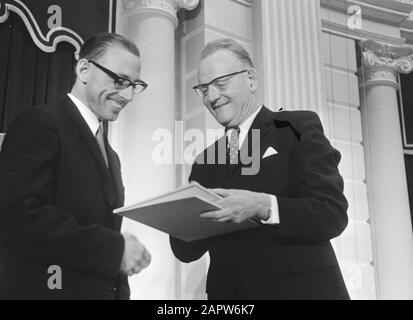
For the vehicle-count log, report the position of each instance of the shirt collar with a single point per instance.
(244, 127)
(87, 114)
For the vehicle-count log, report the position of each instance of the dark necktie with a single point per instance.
(101, 143)
(233, 145)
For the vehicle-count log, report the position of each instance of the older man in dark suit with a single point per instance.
(296, 195)
(61, 180)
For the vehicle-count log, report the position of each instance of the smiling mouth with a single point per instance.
(118, 105)
(219, 106)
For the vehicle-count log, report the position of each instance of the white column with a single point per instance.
(289, 55)
(386, 175)
(151, 25)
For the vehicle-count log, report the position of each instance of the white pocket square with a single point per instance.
(269, 152)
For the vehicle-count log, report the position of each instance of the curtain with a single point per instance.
(29, 76)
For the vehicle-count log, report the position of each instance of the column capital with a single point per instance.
(384, 62)
(168, 8)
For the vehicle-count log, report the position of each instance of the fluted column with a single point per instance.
(386, 175)
(151, 25)
(289, 54)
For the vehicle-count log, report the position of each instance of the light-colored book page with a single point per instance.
(192, 190)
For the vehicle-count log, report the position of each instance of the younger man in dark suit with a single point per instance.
(296, 195)
(61, 180)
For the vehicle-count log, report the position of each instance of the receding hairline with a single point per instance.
(98, 45)
(116, 46)
(229, 45)
(237, 58)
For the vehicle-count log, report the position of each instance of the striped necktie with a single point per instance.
(101, 143)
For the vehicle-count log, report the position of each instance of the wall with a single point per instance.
(354, 246)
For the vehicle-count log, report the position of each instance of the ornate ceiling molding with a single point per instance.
(397, 13)
(359, 34)
(391, 12)
(168, 8)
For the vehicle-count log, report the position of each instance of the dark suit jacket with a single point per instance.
(292, 260)
(56, 202)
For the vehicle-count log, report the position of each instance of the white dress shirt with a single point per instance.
(87, 114)
(244, 127)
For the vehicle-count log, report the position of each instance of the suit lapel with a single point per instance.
(262, 123)
(222, 161)
(114, 168)
(90, 141)
(271, 134)
(212, 161)
(84, 131)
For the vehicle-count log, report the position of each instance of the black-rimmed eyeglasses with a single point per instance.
(219, 83)
(122, 83)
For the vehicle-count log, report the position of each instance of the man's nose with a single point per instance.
(213, 94)
(127, 93)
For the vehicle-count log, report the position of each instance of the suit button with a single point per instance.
(110, 203)
(113, 288)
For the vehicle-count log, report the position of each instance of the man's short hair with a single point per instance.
(230, 45)
(96, 46)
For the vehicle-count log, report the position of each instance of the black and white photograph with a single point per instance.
(205, 155)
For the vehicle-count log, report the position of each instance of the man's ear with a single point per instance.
(82, 70)
(253, 80)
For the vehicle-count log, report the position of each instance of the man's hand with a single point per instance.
(239, 205)
(135, 256)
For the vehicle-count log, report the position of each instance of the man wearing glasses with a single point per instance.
(296, 197)
(61, 180)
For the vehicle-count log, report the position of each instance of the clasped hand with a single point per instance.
(135, 256)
